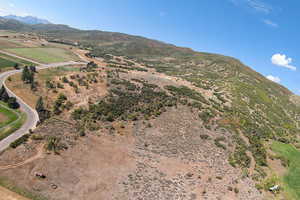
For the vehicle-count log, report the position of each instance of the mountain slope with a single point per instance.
(27, 19)
(221, 91)
(262, 108)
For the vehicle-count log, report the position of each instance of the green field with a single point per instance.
(14, 123)
(6, 63)
(44, 55)
(15, 60)
(8, 43)
(292, 177)
(11, 116)
(6, 32)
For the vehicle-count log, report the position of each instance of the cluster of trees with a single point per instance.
(28, 76)
(11, 101)
(16, 66)
(89, 67)
(59, 104)
(129, 102)
(41, 110)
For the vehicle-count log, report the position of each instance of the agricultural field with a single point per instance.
(44, 55)
(15, 60)
(6, 32)
(8, 43)
(291, 156)
(6, 63)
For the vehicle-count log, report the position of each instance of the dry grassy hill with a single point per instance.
(149, 120)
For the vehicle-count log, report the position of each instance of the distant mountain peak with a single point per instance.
(28, 19)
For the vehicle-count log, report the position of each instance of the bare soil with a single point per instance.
(168, 160)
(3, 118)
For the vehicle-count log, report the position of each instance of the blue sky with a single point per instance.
(263, 34)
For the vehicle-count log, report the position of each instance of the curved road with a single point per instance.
(32, 116)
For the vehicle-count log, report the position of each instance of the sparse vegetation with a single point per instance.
(20, 141)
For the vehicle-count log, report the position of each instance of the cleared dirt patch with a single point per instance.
(3, 118)
(6, 43)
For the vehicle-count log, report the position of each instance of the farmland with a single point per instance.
(6, 63)
(15, 60)
(44, 55)
(6, 43)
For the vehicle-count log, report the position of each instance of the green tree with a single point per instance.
(42, 112)
(12, 103)
(16, 66)
(27, 75)
(32, 69)
(40, 105)
(3, 94)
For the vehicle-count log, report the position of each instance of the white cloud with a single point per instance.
(257, 5)
(10, 8)
(3, 12)
(260, 6)
(275, 79)
(282, 61)
(270, 23)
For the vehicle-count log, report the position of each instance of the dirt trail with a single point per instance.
(37, 156)
(81, 54)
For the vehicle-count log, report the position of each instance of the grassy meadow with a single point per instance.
(291, 179)
(44, 55)
(15, 60)
(9, 116)
(6, 63)
(14, 120)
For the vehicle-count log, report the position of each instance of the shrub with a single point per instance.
(37, 137)
(65, 80)
(50, 84)
(19, 141)
(218, 142)
(204, 136)
(236, 190)
(12, 103)
(53, 144)
(59, 85)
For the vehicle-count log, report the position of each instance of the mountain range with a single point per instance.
(27, 19)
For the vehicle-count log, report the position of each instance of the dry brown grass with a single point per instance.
(22, 90)
(6, 194)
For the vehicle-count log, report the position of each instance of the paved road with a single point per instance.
(32, 116)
